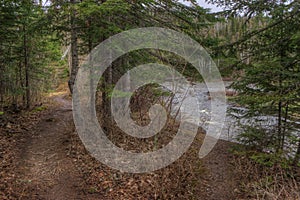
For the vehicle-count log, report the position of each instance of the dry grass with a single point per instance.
(261, 182)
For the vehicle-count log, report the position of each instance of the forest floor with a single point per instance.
(42, 157)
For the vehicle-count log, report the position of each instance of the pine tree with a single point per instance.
(28, 48)
(269, 85)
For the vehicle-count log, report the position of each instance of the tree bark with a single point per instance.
(22, 84)
(280, 135)
(1, 88)
(26, 67)
(92, 88)
(74, 48)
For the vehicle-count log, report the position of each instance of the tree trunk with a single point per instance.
(26, 67)
(285, 127)
(279, 127)
(1, 88)
(92, 88)
(74, 48)
(22, 84)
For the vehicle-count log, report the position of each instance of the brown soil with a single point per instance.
(48, 161)
(45, 170)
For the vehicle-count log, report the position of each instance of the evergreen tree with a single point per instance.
(28, 49)
(269, 84)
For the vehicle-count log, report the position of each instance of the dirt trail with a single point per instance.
(220, 181)
(49, 169)
(46, 170)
